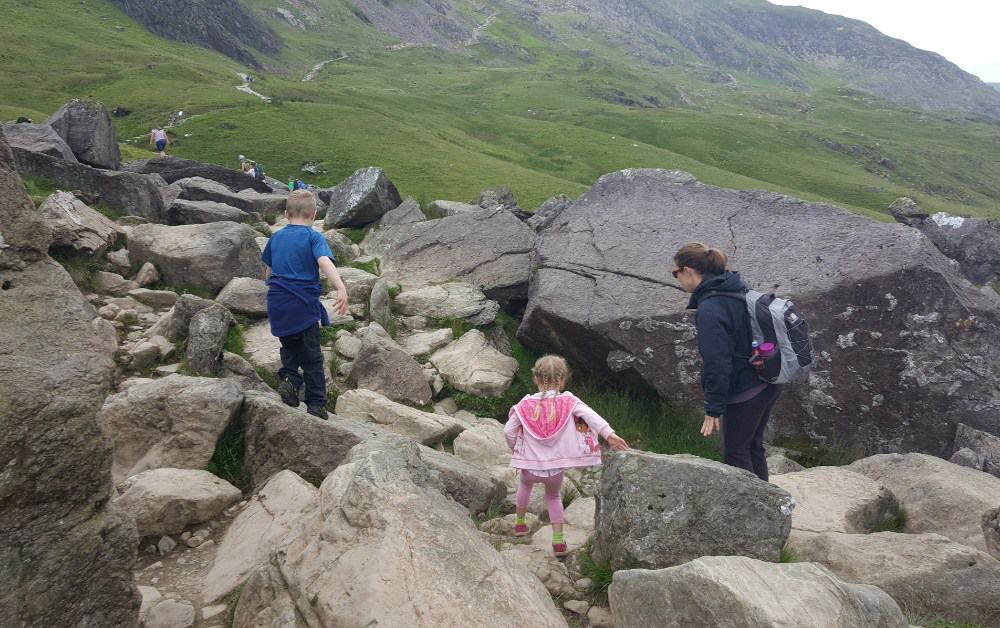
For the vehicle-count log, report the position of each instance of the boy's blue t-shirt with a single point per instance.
(292, 253)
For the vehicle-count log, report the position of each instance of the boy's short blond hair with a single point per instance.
(301, 204)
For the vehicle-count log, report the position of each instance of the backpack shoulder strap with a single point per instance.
(739, 296)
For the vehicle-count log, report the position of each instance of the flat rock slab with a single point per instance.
(182, 212)
(471, 365)
(447, 301)
(174, 169)
(423, 427)
(938, 496)
(927, 574)
(166, 501)
(76, 228)
(740, 592)
(489, 249)
(897, 331)
(245, 295)
(656, 511)
(274, 517)
(833, 499)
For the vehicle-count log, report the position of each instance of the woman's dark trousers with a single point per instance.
(743, 426)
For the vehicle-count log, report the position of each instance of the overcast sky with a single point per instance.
(964, 31)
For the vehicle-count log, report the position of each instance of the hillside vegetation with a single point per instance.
(539, 102)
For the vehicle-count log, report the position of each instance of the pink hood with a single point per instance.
(570, 439)
(542, 429)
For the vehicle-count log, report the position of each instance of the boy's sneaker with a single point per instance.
(289, 393)
(317, 411)
(560, 549)
(520, 529)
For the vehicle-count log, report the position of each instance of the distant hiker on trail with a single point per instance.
(258, 172)
(733, 390)
(291, 184)
(301, 185)
(246, 166)
(549, 432)
(294, 257)
(158, 140)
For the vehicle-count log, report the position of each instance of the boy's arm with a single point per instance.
(330, 272)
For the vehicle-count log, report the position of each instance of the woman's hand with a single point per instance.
(617, 442)
(710, 426)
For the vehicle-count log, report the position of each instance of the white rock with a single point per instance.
(471, 365)
(833, 499)
(446, 301)
(424, 342)
(576, 606)
(348, 346)
(166, 501)
(483, 444)
(276, 516)
(424, 427)
(170, 614)
(580, 513)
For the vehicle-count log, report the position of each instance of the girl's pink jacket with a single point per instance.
(570, 440)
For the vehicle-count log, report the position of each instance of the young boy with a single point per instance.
(295, 256)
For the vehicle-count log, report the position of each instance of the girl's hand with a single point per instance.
(710, 426)
(617, 442)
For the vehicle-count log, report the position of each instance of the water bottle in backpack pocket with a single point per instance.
(782, 350)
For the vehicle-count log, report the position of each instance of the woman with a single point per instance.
(733, 392)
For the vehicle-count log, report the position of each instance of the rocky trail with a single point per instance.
(314, 72)
(246, 89)
(228, 508)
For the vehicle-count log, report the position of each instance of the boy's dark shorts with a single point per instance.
(160, 145)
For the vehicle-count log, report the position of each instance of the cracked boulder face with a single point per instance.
(905, 347)
(490, 249)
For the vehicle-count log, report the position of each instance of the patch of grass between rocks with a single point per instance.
(896, 523)
(600, 574)
(228, 457)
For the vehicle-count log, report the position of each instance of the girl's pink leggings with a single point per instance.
(553, 497)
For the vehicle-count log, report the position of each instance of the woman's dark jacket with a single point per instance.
(724, 339)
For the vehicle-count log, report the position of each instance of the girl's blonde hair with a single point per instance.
(551, 372)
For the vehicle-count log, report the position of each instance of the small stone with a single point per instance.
(149, 549)
(598, 617)
(195, 541)
(170, 614)
(156, 565)
(166, 545)
(185, 535)
(584, 584)
(147, 275)
(203, 533)
(207, 544)
(109, 311)
(576, 606)
(209, 612)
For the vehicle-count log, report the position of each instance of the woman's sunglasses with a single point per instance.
(677, 271)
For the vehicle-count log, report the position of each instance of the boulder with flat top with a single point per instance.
(86, 127)
(905, 347)
(38, 138)
(360, 200)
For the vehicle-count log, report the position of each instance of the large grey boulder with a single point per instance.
(67, 553)
(360, 200)
(202, 189)
(938, 496)
(279, 437)
(183, 212)
(382, 494)
(341, 246)
(246, 296)
(973, 242)
(549, 212)
(38, 138)
(739, 592)
(131, 193)
(471, 365)
(166, 501)
(274, 517)
(382, 366)
(656, 511)
(985, 446)
(897, 331)
(171, 422)
(927, 574)
(407, 212)
(489, 249)
(380, 304)
(424, 427)
(446, 301)
(174, 169)
(202, 256)
(87, 129)
(834, 499)
(76, 228)
(206, 338)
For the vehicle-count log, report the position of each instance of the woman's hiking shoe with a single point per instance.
(317, 411)
(289, 393)
(520, 529)
(560, 549)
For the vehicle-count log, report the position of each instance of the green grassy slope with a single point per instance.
(515, 109)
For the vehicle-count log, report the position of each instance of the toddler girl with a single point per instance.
(549, 432)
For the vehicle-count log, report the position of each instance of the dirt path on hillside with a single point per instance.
(313, 73)
(246, 89)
